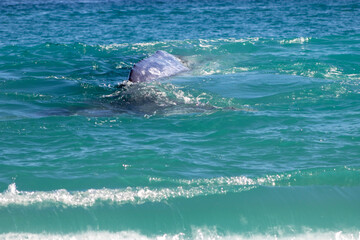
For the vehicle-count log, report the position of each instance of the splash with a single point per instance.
(157, 98)
(197, 234)
(300, 40)
(183, 188)
(138, 195)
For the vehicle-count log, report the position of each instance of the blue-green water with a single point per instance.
(261, 139)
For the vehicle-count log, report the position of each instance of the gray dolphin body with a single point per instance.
(159, 65)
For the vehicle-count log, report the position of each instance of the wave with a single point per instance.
(183, 188)
(78, 74)
(302, 56)
(138, 195)
(198, 234)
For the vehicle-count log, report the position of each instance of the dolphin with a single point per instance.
(159, 65)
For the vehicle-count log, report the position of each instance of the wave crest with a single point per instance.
(198, 234)
(183, 188)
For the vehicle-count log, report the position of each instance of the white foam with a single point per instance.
(197, 234)
(210, 44)
(299, 40)
(183, 188)
(251, 40)
(138, 195)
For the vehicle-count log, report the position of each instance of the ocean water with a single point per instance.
(259, 140)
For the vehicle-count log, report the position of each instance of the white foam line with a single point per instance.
(91, 196)
(299, 40)
(197, 234)
(140, 195)
(119, 196)
(137, 195)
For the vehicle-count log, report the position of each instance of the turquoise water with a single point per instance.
(260, 140)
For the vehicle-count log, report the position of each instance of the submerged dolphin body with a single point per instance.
(159, 65)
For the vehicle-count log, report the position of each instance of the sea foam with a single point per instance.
(197, 234)
(182, 188)
(138, 195)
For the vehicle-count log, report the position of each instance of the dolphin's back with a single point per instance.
(160, 64)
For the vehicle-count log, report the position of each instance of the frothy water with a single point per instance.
(182, 188)
(167, 99)
(198, 234)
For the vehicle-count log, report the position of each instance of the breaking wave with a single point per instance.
(183, 188)
(197, 234)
